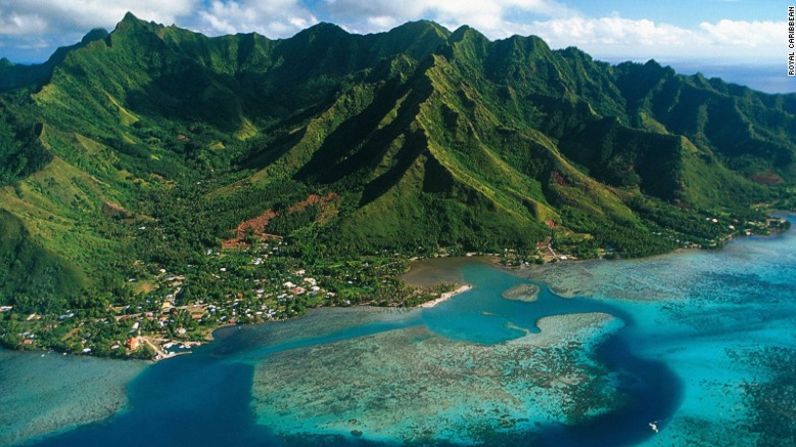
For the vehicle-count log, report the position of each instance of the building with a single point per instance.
(133, 343)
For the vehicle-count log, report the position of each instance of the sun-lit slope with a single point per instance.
(423, 137)
(752, 131)
(62, 223)
(446, 152)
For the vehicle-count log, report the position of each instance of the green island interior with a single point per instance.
(414, 237)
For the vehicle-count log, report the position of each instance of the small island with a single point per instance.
(523, 292)
(132, 230)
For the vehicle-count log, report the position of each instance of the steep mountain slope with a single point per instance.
(14, 76)
(144, 147)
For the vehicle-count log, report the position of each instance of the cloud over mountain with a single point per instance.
(29, 24)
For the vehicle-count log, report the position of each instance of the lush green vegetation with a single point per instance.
(152, 152)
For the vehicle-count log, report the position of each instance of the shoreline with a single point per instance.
(446, 296)
(532, 271)
(676, 251)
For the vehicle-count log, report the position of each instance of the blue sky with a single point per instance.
(695, 33)
(687, 13)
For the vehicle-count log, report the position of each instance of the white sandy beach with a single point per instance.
(447, 295)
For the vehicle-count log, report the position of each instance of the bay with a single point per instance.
(690, 348)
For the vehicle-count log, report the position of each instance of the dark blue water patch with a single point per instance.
(187, 401)
(204, 398)
(653, 394)
(652, 391)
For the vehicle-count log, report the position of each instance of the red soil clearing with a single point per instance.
(312, 199)
(255, 226)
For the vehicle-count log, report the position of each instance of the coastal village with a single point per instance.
(176, 311)
(172, 312)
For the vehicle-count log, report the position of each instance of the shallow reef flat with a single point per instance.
(772, 400)
(747, 401)
(585, 329)
(659, 278)
(410, 385)
(725, 327)
(248, 344)
(711, 360)
(49, 393)
(523, 292)
(729, 273)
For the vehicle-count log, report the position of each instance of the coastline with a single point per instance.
(428, 272)
(599, 325)
(446, 296)
(162, 354)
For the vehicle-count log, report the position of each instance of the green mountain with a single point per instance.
(149, 145)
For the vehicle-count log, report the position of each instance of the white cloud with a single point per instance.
(274, 18)
(617, 37)
(489, 16)
(611, 36)
(608, 31)
(28, 23)
(33, 23)
(35, 17)
(745, 34)
(14, 24)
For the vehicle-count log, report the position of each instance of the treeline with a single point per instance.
(626, 239)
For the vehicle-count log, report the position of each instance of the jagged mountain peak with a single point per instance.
(94, 34)
(426, 137)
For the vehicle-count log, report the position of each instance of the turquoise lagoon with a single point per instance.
(700, 344)
(46, 393)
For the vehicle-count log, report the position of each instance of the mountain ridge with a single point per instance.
(426, 139)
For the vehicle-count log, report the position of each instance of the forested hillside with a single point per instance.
(149, 147)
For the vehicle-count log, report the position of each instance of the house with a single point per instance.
(133, 343)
